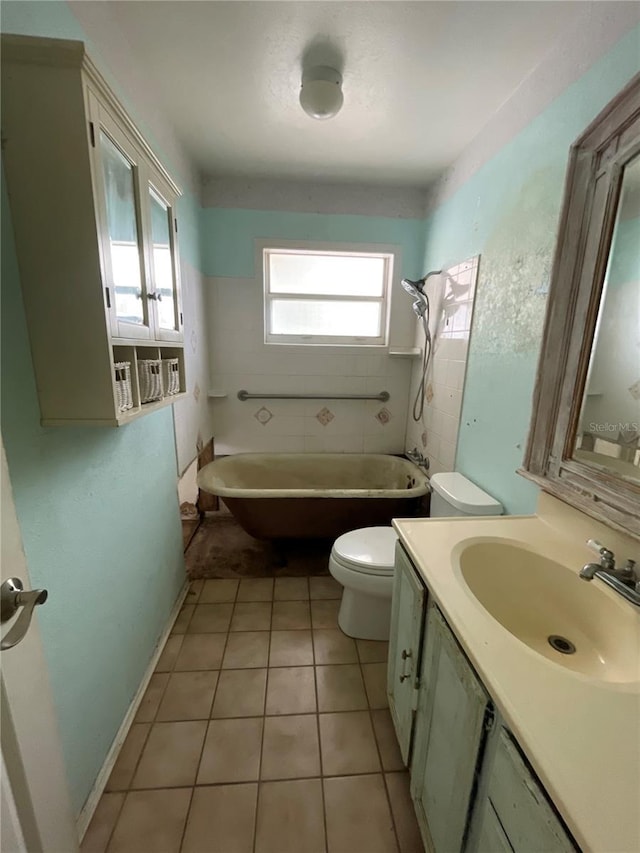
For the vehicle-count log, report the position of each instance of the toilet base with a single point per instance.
(364, 617)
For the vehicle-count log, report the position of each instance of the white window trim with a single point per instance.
(389, 253)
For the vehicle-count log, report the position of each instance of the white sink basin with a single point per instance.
(536, 599)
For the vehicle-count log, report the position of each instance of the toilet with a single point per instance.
(363, 560)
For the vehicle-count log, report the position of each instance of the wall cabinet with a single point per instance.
(471, 787)
(95, 230)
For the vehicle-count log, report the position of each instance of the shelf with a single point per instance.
(147, 408)
(405, 352)
(216, 394)
(122, 419)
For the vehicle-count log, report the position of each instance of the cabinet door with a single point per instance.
(529, 821)
(491, 838)
(163, 262)
(450, 727)
(407, 618)
(117, 165)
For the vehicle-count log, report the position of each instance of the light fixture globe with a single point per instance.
(321, 93)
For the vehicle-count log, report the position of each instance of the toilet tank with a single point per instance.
(454, 495)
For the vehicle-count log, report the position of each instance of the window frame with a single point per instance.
(386, 253)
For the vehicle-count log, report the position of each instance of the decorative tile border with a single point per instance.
(263, 416)
(383, 416)
(325, 416)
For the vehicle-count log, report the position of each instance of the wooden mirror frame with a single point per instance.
(592, 190)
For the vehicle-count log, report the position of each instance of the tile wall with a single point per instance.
(436, 433)
(239, 359)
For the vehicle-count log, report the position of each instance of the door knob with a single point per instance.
(12, 598)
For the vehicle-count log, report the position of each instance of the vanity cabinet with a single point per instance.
(452, 719)
(471, 787)
(93, 211)
(513, 809)
(405, 647)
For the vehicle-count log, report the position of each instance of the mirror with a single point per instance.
(584, 440)
(608, 434)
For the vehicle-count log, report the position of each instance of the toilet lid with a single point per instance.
(369, 549)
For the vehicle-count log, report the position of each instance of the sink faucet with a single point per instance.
(625, 581)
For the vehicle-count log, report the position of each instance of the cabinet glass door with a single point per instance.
(164, 279)
(124, 243)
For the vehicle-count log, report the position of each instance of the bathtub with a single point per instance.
(306, 495)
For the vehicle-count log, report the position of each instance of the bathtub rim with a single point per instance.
(211, 483)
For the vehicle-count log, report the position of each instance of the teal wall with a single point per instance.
(98, 511)
(508, 213)
(228, 236)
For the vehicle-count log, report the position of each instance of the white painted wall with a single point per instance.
(191, 415)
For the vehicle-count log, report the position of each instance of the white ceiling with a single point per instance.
(420, 80)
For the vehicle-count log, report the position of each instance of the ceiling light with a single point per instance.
(321, 92)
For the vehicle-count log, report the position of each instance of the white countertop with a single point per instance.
(581, 736)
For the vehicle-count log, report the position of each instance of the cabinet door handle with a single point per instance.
(406, 654)
(153, 296)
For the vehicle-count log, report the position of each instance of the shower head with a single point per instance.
(420, 307)
(416, 288)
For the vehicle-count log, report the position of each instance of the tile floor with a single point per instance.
(264, 730)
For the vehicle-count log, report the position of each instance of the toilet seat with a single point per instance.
(369, 550)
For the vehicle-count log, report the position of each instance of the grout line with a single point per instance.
(264, 717)
(391, 812)
(116, 821)
(379, 751)
(151, 724)
(324, 804)
(225, 784)
(215, 693)
(186, 819)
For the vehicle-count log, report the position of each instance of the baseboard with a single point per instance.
(84, 818)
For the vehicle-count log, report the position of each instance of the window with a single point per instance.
(326, 297)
